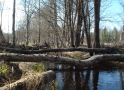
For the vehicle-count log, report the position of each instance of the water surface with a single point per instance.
(91, 80)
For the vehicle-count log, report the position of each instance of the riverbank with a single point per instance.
(30, 75)
(26, 79)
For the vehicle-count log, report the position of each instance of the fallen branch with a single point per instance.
(31, 82)
(61, 60)
(97, 50)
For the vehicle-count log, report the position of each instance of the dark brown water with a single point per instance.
(91, 80)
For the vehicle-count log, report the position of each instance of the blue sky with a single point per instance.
(111, 17)
(110, 14)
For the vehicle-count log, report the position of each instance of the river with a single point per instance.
(91, 79)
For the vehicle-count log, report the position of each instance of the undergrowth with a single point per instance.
(3, 69)
(55, 86)
(38, 68)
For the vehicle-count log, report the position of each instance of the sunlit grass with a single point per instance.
(55, 86)
(30, 45)
(38, 67)
(3, 68)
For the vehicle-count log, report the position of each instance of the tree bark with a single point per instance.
(97, 19)
(55, 23)
(2, 39)
(97, 50)
(13, 24)
(87, 32)
(61, 60)
(79, 22)
(39, 22)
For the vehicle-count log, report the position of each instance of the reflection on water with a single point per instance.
(91, 80)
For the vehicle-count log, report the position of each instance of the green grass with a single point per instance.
(55, 86)
(3, 51)
(38, 68)
(3, 68)
(30, 45)
(74, 57)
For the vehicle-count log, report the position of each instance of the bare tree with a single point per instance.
(55, 22)
(97, 19)
(39, 22)
(13, 24)
(86, 19)
(79, 22)
(59, 22)
(29, 12)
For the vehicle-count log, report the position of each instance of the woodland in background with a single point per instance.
(107, 37)
(61, 23)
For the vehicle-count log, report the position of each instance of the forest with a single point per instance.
(61, 24)
(70, 34)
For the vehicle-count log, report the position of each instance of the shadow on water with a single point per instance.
(73, 80)
(88, 79)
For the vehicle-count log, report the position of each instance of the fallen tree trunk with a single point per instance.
(31, 82)
(96, 50)
(61, 60)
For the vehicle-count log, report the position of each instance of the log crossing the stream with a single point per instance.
(109, 50)
(61, 60)
(37, 56)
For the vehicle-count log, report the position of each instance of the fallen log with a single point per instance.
(61, 60)
(109, 50)
(31, 82)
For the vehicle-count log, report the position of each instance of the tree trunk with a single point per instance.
(39, 25)
(86, 27)
(97, 50)
(70, 5)
(62, 60)
(13, 24)
(97, 19)
(82, 36)
(79, 22)
(27, 33)
(55, 23)
(2, 39)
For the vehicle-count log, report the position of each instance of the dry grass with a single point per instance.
(76, 55)
(35, 81)
(9, 72)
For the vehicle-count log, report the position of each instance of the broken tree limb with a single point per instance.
(61, 60)
(31, 82)
(96, 50)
